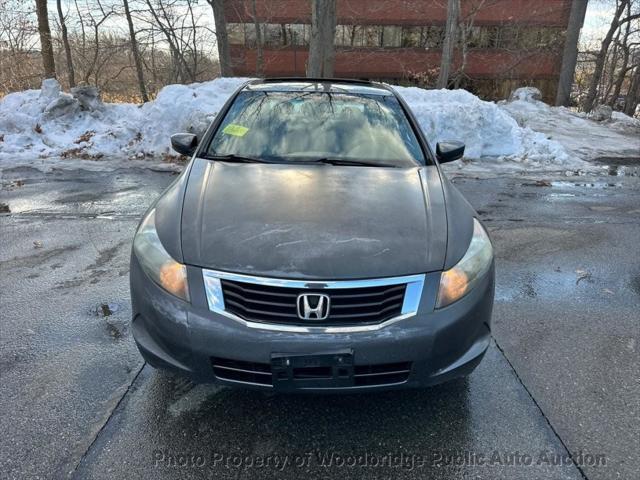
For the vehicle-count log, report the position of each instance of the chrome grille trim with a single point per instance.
(261, 374)
(215, 299)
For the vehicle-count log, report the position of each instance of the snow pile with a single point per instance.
(182, 108)
(459, 115)
(49, 123)
(580, 136)
(44, 127)
(489, 132)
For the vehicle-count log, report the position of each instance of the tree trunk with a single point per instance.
(621, 76)
(46, 46)
(633, 94)
(329, 60)
(608, 77)
(322, 51)
(222, 39)
(460, 74)
(67, 47)
(601, 58)
(626, 51)
(136, 53)
(154, 68)
(451, 31)
(570, 54)
(259, 49)
(195, 61)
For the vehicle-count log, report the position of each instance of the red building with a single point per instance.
(503, 44)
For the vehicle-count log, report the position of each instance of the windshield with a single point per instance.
(311, 126)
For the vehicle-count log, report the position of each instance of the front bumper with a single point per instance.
(437, 345)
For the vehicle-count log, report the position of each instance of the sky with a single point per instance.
(597, 20)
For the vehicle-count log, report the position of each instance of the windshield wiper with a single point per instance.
(235, 158)
(232, 157)
(357, 163)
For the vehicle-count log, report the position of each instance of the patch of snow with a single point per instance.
(50, 90)
(580, 136)
(526, 94)
(88, 97)
(601, 113)
(625, 119)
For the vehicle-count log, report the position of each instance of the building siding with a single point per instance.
(489, 69)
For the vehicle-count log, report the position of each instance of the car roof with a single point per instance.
(332, 85)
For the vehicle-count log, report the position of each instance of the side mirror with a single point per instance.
(449, 151)
(184, 143)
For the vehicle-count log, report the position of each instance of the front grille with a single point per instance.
(260, 373)
(349, 306)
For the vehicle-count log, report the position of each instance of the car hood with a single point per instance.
(313, 221)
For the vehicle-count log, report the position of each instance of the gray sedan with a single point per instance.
(313, 244)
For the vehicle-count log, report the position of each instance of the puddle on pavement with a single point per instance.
(561, 195)
(556, 282)
(621, 166)
(597, 185)
(623, 171)
(629, 161)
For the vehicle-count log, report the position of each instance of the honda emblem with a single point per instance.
(313, 306)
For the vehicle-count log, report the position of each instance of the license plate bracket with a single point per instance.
(292, 371)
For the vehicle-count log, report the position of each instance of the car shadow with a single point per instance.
(221, 423)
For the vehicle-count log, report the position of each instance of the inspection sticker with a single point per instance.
(235, 130)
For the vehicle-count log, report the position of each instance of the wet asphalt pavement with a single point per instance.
(556, 396)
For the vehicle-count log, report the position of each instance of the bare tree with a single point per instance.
(222, 39)
(183, 35)
(46, 47)
(570, 53)
(323, 31)
(97, 57)
(65, 43)
(116, 45)
(83, 32)
(20, 64)
(135, 52)
(601, 56)
(624, 67)
(169, 22)
(465, 34)
(619, 62)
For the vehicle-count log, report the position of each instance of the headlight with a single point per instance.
(459, 280)
(156, 262)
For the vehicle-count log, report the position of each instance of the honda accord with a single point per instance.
(313, 243)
